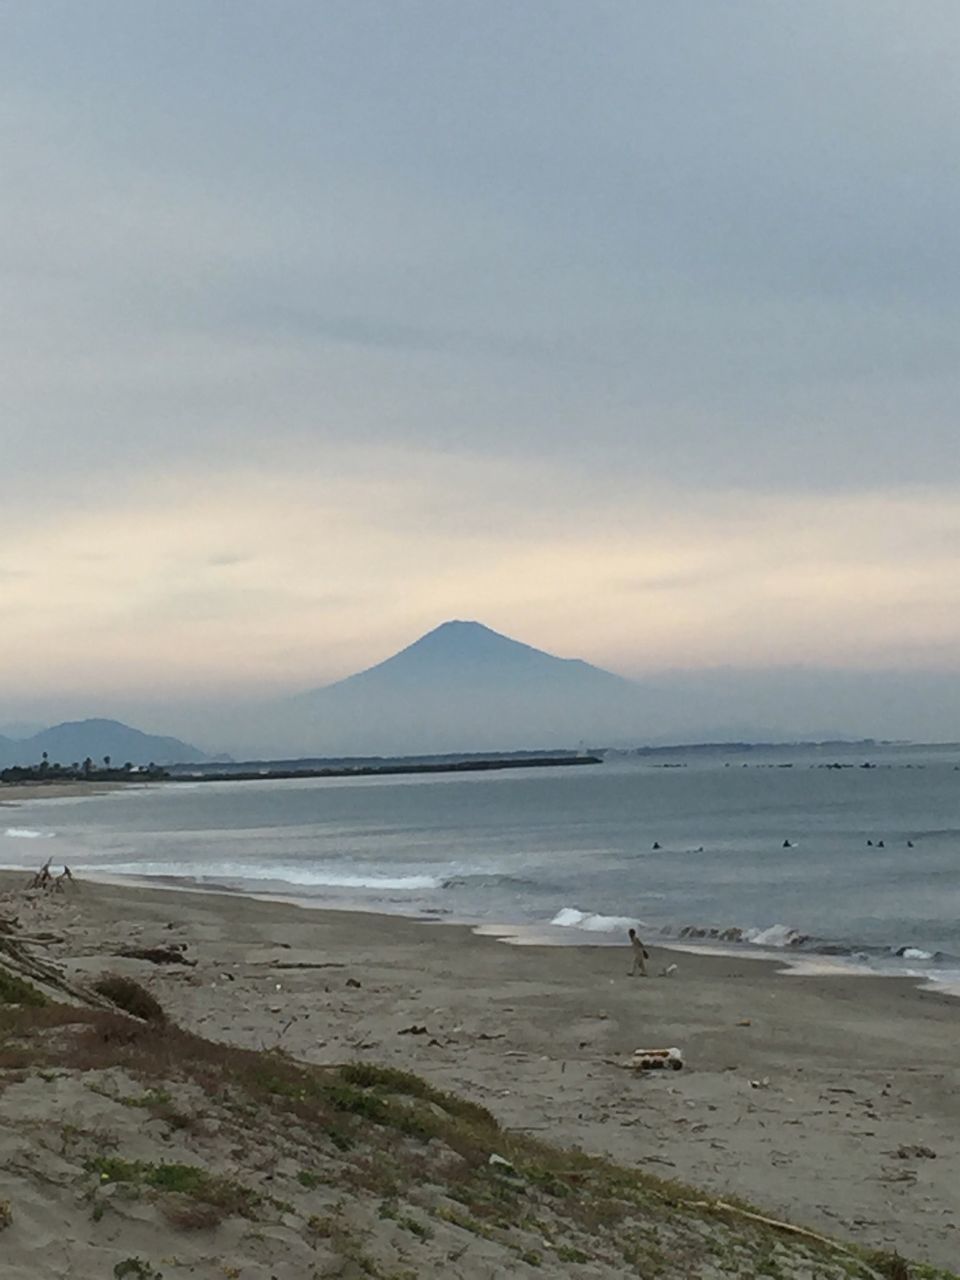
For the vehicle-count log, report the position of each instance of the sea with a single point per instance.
(835, 857)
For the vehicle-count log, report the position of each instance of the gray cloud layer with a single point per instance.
(697, 249)
(722, 234)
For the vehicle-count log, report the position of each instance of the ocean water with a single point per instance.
(773, 844)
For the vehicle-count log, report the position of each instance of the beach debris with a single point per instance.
(17, 960)
(501, 1163)
(760, 1084)
(721, 1206)
(745, 1022)
(173, 954)
(354, 982)
(46, 880)
(915, 1153)
(657, 1059)
(413, 1030)
(668, 971)
(496, 1035)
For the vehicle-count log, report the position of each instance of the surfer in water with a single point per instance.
(640, 955)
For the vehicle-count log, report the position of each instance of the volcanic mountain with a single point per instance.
(465, 687)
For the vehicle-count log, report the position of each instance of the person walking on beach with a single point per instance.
(640, 955)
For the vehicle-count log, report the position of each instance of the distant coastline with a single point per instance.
(266, 772)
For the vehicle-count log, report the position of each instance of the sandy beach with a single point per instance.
(833, 1102)
(15, 793)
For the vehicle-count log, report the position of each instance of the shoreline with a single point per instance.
(13, 794)
(929, 959)
(796, 1095)
(789, 963)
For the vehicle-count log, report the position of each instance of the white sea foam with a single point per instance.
(914, 953)
(777, 935)
(947, 981)
(27, 833)
(592, 922)
(303, 877)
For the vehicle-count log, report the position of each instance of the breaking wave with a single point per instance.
(592, 922)
(28, 833)
(302, 877)
(782, 937)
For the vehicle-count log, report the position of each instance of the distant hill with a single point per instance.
(462, 687)
(77, 739)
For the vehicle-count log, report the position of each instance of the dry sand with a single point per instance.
(829, 1101)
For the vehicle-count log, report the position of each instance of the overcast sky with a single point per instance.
(630, 329)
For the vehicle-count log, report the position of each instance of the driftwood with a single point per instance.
(156, 955)
(45, 879)
(721, 1206)
(15, 958)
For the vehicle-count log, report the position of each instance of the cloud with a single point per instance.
(357, 553)
(628, 328)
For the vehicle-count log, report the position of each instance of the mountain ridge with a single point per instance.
(74, 740)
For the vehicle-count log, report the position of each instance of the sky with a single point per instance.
(628, 328)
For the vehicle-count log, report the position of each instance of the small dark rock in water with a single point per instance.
(869, 844)
(909, 844)
(656, 844)
(785, 845)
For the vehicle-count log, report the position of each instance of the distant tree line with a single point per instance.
(82, 770)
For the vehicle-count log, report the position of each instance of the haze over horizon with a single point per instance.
(630, 330)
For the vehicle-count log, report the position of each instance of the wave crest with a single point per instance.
(593, 922)
(302, 877)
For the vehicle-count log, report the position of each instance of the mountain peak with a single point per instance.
(463, 686)
(459, 633)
